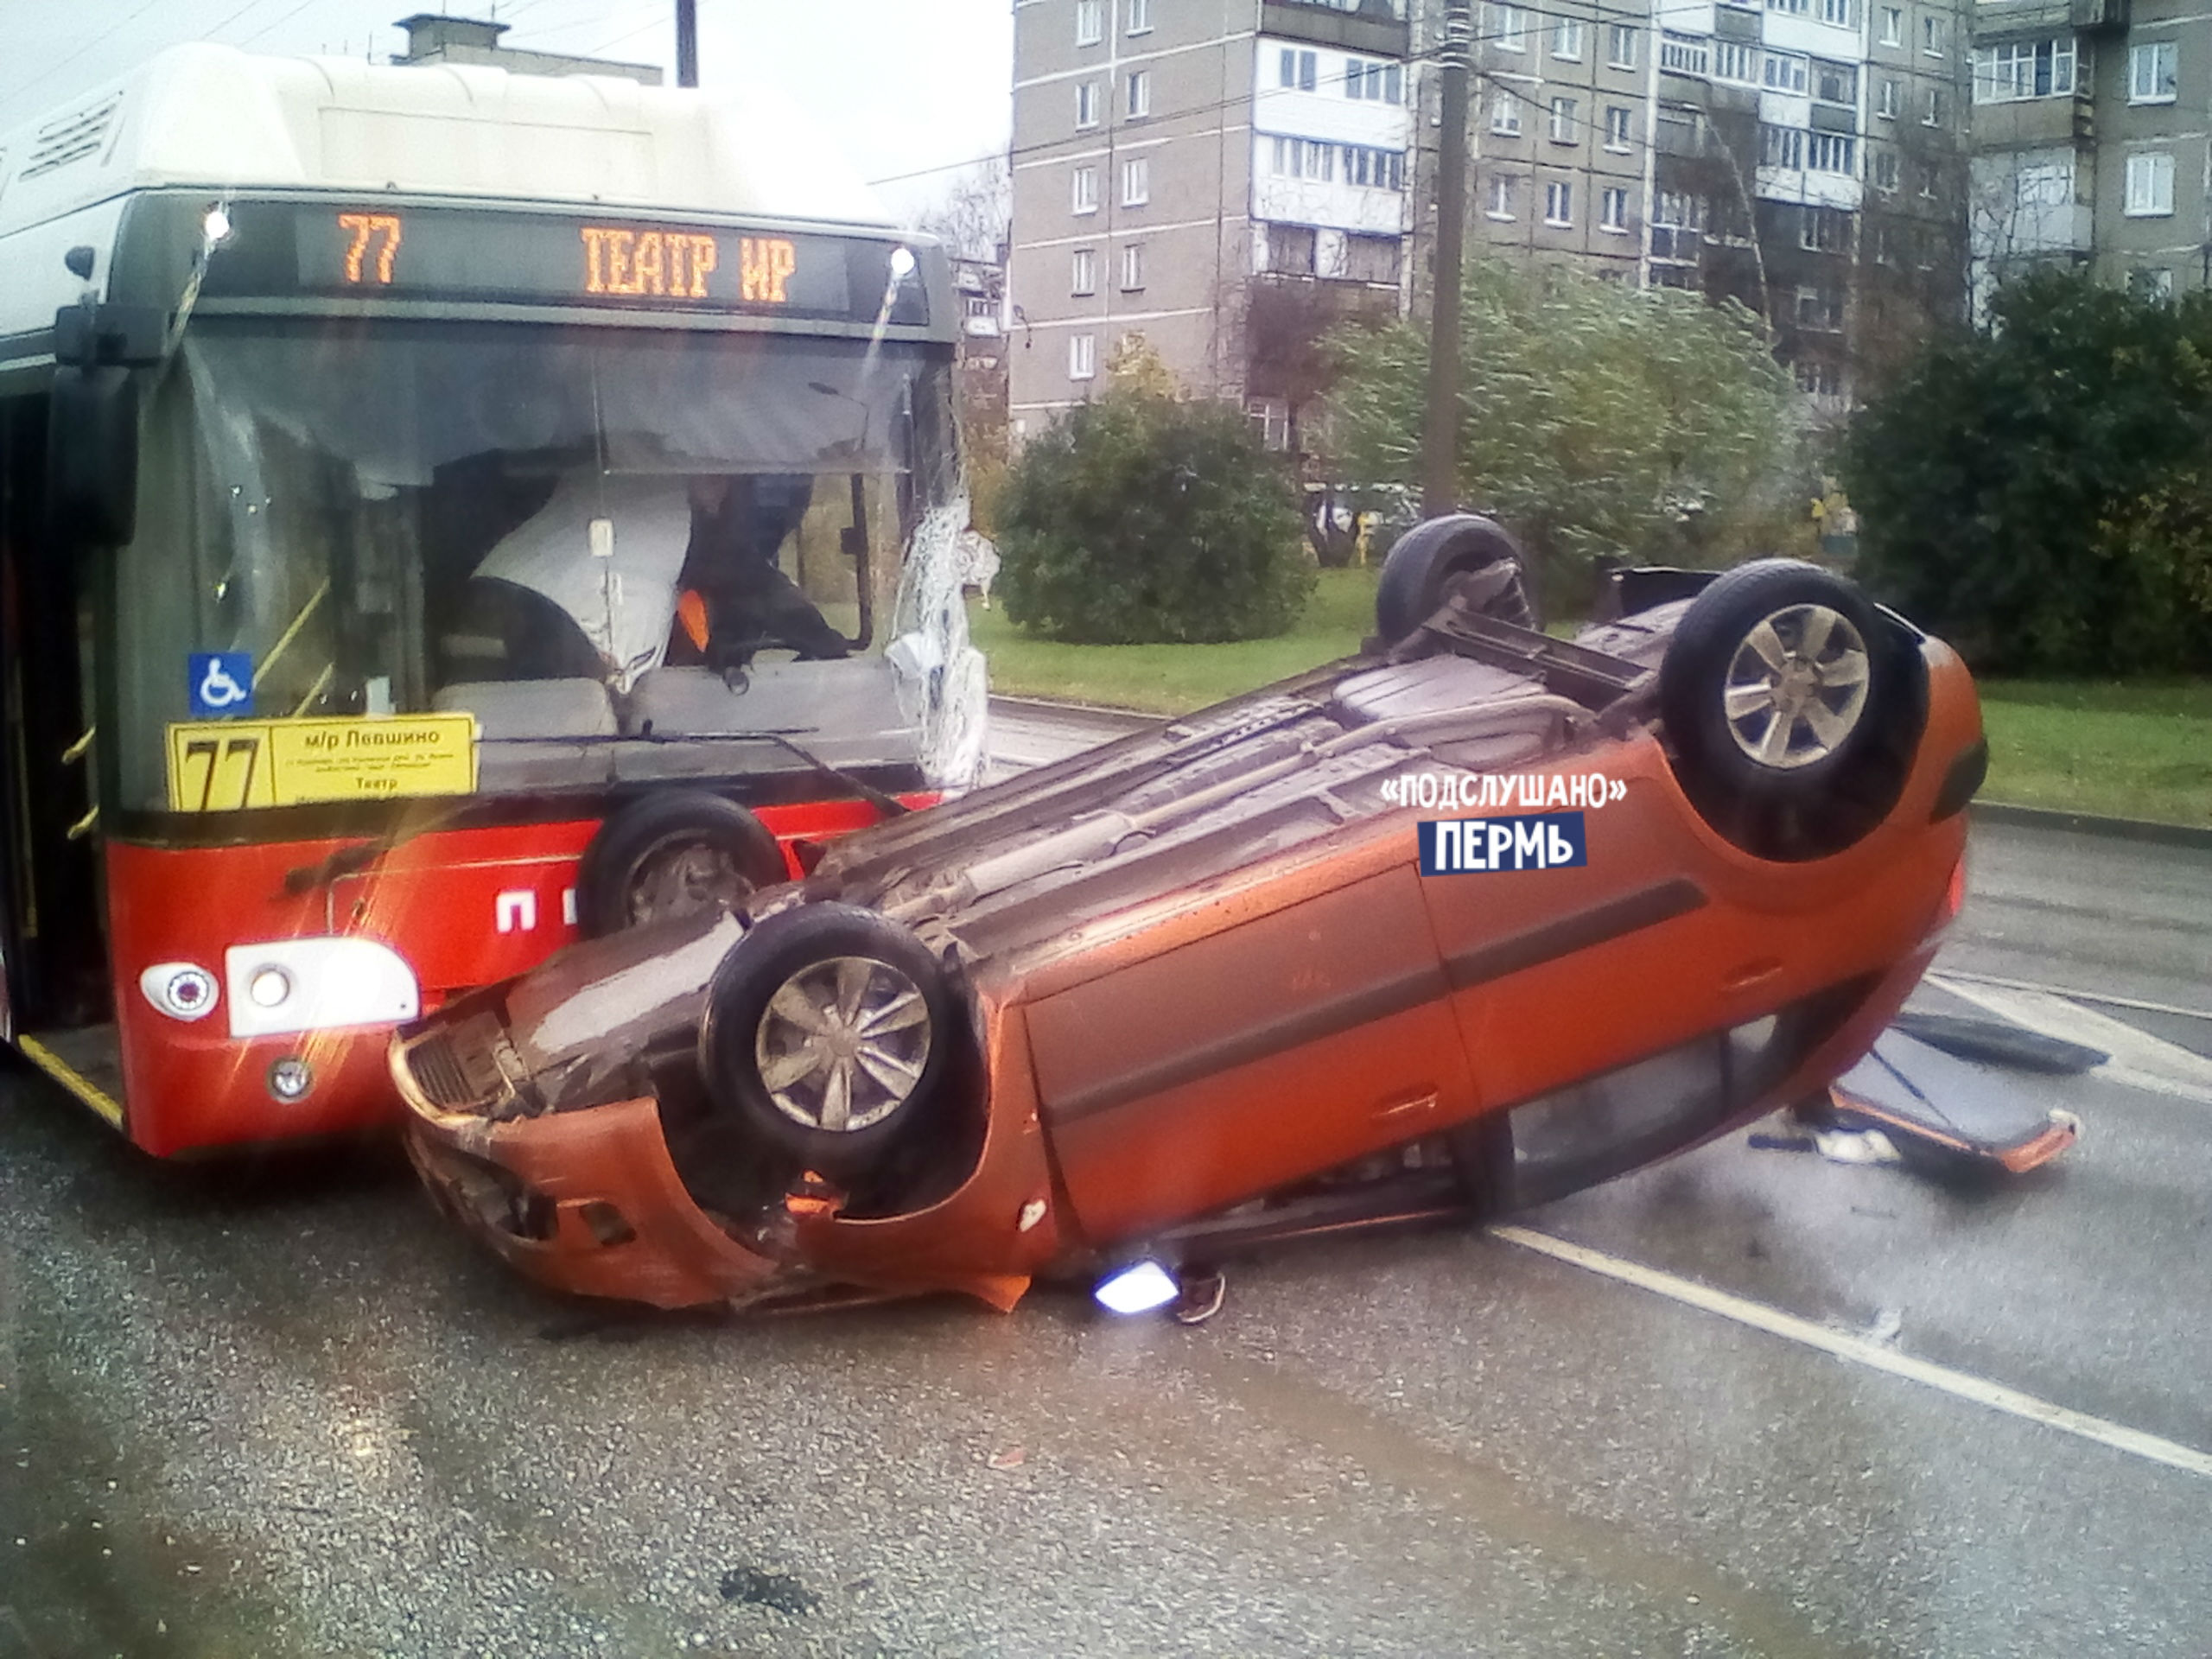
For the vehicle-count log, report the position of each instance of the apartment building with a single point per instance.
(2090, 141)
(1220, 179)
(1560, 146)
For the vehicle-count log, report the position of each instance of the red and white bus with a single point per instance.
(411, 479)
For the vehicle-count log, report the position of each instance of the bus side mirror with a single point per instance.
(91, 444)
(92, 457)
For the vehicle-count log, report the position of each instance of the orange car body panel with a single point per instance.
(1204, 1045)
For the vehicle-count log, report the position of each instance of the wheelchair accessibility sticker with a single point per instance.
(220, 682)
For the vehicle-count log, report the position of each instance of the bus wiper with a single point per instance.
(890, 805)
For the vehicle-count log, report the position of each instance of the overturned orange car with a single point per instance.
(1468, 922)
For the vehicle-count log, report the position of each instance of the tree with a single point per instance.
(972, 214)
(1139, 516)
(2038, 493)
(1596, 422)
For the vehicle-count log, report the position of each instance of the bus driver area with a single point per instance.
(485, 511)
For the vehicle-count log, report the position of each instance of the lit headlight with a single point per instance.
(269, 988)
(281, 986)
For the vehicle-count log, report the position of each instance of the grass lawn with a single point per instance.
(1175, 679)
(2133, 750)
(2138, 749)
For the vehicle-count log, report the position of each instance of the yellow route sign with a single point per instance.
(220, 766)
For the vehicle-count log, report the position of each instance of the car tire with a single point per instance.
(826, 1030)
(673, 853)
(1423, 561)
(1779, 696)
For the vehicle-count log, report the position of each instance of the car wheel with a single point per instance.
(1423, 561)
(1779, 694)
(673, 854)
(826, 1029)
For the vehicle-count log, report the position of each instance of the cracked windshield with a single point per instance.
(1105, 827)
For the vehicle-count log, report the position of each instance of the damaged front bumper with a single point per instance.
(590, 1203)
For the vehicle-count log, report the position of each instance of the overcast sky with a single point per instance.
(904, 84)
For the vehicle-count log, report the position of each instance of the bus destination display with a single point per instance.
(277, 248)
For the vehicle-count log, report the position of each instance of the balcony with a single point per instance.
(1376, 27)
(1998, 19)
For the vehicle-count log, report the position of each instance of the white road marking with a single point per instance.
(2105, 998)
(2139, 1059)
(1861, 1351)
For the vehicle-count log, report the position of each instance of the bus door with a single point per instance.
(52, 921)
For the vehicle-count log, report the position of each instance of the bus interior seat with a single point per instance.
(510, 710)
(855, 698)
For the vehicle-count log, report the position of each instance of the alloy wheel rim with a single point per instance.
(842, 1044)
(1796, 687)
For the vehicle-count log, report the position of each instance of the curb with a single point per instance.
(2029, 817)
(2088, 824)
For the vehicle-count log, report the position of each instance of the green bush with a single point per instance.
(2039, 493)
(1136, 518)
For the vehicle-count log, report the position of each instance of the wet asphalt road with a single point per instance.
(279, 1410)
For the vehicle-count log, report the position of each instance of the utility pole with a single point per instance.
(687, 42)
(1441, 442)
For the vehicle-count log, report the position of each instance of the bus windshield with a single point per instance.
(594, 540)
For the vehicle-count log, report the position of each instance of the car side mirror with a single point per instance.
(91, 449)
(92, 457)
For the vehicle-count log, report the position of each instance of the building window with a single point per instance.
(1297, 71)
(1082, 357)
(1500, 205)
(2150, 185)
(2147, 284)
(1785, 73)
(1618, 117)
(1885, 99)
(1932, 114)
(2151, 76)
(1782, 147)
(1820, 308)
(1818, 379)
(1131, 267)
(1892, 25)
(1830, 152)
(1136, 183)
(1290, 249)
(1559, 203)
(1305, 158)
(1376, 82)
(1837, 12)
(1270, 418)
(1379, 169)
(1371, 258)
(1508, 28)
(1567, 40)
(1082, 271)
(1620, 46)
(1885, 169)
(1677, 222)
(1613, 210)
(1140, 16)
(1931, 36)
(1086, 104)
(1137, 104)
(1505, 113)
(1083, 191)
(1835, 83)
(1685, 54)
(1824, 229)
(1089, 21)
(1795, 8)
(1736, 60)
(1563, 123)
(2022, 69)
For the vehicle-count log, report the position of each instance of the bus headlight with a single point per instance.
(320, 984)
